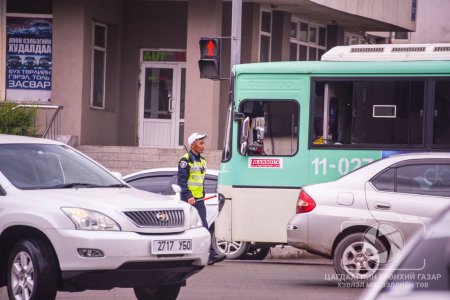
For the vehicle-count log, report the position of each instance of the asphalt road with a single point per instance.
(268, 279)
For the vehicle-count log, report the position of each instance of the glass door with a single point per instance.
(162, 105)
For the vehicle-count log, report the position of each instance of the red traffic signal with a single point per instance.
(209, 47)
(209, 63)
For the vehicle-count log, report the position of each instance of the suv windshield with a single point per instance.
(42, 166)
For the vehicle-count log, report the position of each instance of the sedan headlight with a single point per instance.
(195, 220)
(85, 219)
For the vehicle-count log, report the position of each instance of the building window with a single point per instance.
(308, 41)
(29, 7)
(353, 39)
(265, 36)
(98, 71)
(413, 10)
(401, 35)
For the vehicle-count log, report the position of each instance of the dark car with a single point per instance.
(14, 61)
(29, 61)
(423, 269)
(45, 62)
(39, 28)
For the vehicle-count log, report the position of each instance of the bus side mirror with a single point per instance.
(237, 116)
(244, 147)
(244, 136)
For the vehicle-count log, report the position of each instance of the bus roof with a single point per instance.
(365, 59)
(389, 52)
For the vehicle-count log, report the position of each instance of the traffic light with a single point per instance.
(209, 63)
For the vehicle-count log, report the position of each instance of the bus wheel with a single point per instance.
(233, 250)
(255, 253)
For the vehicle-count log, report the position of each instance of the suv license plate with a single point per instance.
(171, 246)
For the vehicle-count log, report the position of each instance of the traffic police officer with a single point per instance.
(191, 175)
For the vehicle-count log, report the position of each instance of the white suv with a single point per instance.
(68, 224)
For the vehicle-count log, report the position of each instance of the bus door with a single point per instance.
(266, 169)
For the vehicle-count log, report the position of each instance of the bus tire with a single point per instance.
(233, 250)
(256, 253)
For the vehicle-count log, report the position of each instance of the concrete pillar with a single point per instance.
(69, 63)
(2, 48)
(202, 95)
(281, 25)
(335, 36)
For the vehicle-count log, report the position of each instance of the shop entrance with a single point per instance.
(162, 95)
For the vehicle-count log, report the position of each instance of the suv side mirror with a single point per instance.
(177, 189)
(2, 191)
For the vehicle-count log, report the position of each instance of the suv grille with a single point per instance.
(156, 218)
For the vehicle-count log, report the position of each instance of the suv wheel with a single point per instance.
(32, 271)
(167, 292)
(359, 256)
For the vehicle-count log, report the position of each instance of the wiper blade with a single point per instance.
(86, 185)
(76, 185)
(117, 185)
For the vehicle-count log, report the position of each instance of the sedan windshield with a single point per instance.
(43, 166)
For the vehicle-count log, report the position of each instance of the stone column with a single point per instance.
(281, 25)
(335, 36)
(2, 48)
(202, 95)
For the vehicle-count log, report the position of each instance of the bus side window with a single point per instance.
(273, 126)
(333, 113)
(441, 134)
(371, 112)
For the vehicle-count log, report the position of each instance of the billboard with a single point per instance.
(28, 59)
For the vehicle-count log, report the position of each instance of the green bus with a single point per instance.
(296, 123)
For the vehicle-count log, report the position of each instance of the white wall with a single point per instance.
(433, 22)
(396, 12)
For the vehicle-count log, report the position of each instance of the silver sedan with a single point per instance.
(363, 219)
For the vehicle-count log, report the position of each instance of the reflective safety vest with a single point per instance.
(197, 173)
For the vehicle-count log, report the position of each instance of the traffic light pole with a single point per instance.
(236, 23)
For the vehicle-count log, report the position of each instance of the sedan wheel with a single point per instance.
(357, 258)
(31, 271)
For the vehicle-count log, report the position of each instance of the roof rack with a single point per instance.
(388, 52)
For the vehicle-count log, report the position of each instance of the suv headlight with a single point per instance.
(195, 220)
(85, 219)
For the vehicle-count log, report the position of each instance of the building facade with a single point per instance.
(126, 71)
